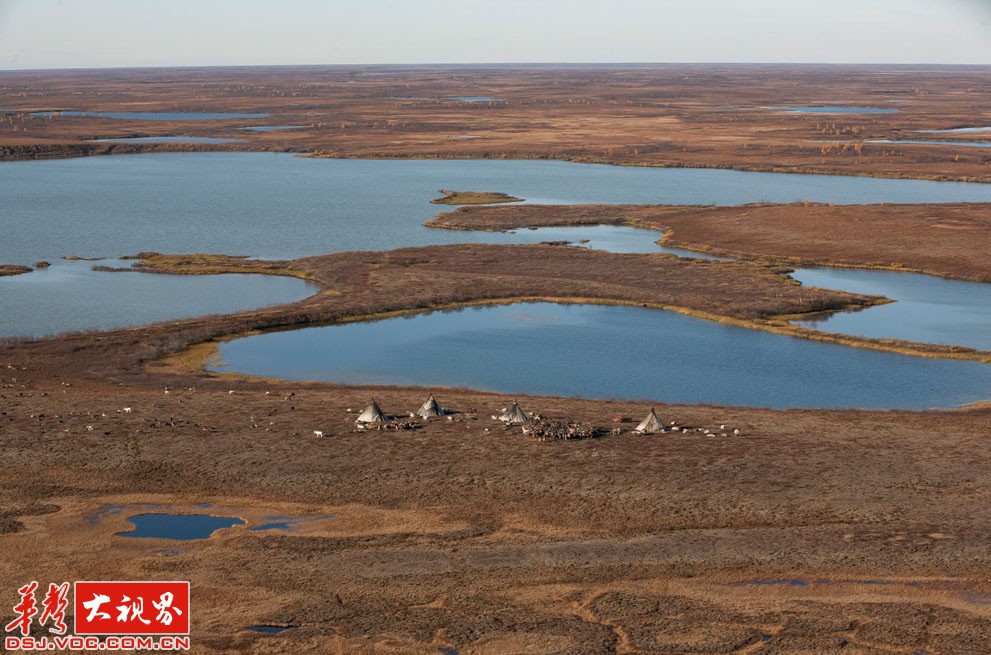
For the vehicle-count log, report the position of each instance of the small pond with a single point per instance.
(181, 527)
(474, 99)
(607, 352)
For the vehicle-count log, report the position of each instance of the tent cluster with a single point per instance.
(374, 416)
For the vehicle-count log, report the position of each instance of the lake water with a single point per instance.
(181, 527)
(833, 109)
(607, 352)
(169, 139)
(275, 205)
(69, 296)
(928, 309)
(474, 99)
(150, 115)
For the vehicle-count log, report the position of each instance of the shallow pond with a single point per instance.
(150, 115)
(607, 352)
(180, 527)
(928, 309)
(69, 296)
(169, 139)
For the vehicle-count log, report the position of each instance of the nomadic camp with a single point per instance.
(430, 409)
(372, 414)
(650, 425)
(514, 415)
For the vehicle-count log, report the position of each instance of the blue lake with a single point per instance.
(275, 205)
(474, 99)
(181, 527)
(928, 309)
(69, 296)
(607, 352)
(833, 109)
(169, 139)
(150, 115)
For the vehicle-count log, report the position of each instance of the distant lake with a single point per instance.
(275, 205)
(169, 139)
(833, 109)
(607, 352)
(928, 309)
(150, 115)
(474, 99)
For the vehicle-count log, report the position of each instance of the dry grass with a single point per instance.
(673, 115)
(13, 269)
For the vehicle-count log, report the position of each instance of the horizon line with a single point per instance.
(503, 65)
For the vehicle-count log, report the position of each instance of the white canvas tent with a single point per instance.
(430, 409)
(650, 425)
(372, 414)
(514, 415)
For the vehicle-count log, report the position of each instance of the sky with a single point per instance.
(130, 33)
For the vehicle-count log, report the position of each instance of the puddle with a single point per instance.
(269, 629)
(776, 583)
(474, 99)
(181, 527)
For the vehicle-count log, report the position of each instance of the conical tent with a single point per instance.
(430, 409)
(372, 414)
(650, 425)
(513, 414)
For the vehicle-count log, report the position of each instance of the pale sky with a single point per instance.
(122, 33)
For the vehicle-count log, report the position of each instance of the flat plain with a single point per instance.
(810, 531)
